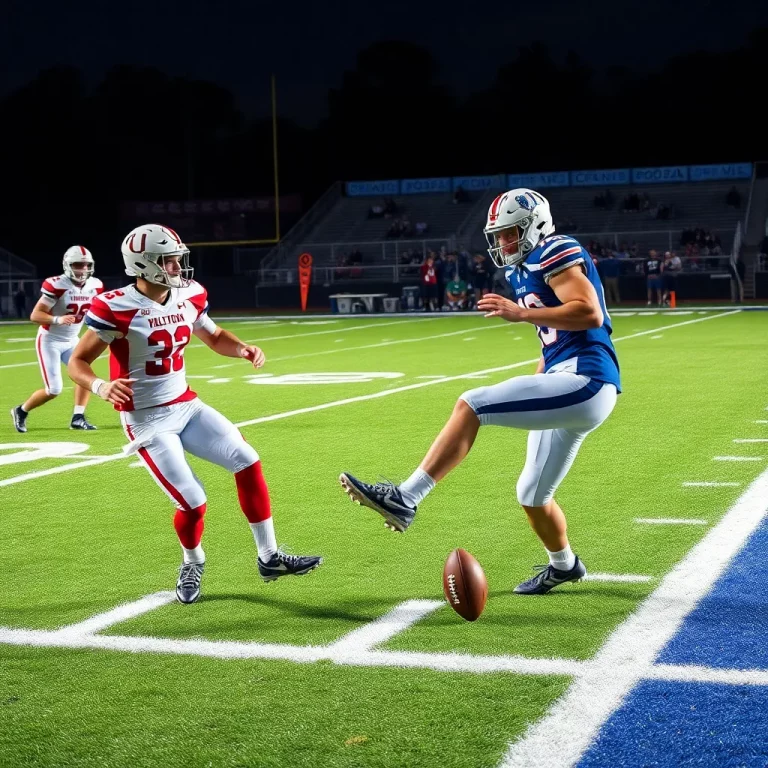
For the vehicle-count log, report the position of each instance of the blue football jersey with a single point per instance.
(589, 352)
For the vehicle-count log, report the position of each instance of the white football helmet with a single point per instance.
(144, 249)
(78, 254)
(522, 208)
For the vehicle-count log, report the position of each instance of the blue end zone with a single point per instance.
(703, 724)
(729, 628)
(671, 725)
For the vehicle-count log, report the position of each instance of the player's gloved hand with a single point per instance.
(67, 320)
(117, 392)
(254, 354)
(499, 306)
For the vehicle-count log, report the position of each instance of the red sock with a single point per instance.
(189, 526)
(253, 493)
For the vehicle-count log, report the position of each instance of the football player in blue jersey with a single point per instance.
(556, 289)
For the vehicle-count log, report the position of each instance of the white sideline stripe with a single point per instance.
(119, 614)
(385, 627)
(737, 458)
(346, 401)
(762, 421)
(670, 521)
(562, 736)
(17, 351)
(18, 365)
(620, 577)
(695, 674)
(751, 440)
(710, 485)
(657, 337)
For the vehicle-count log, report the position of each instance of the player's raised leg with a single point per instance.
(211, 436)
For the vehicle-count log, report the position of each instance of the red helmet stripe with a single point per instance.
(493, 214)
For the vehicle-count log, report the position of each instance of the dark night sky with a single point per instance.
(310, 45)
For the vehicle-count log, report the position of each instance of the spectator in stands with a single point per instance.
(610, 267)
(456, 293)
(390, 207)
(622, 252)
(460, 195)
(20, 303)
(672, 268)
(733, 198)
(604, 200)
(429, 283)
(376, 211)
(631, 203)
(421, 227)
(653, 269)
(737, 279)
(481, 275)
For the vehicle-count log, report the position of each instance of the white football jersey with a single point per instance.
(63, 297)
(147, 340)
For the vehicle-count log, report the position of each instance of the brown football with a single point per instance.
(464, 584)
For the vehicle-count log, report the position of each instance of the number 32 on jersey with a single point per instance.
(546, 335)
(171, 355)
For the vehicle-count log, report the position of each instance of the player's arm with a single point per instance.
(79, 369)
(225, 343)
(540, 365)
(41, 314)
(579, 311)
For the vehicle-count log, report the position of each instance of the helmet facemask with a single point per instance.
(150, 267)
(509, 255)
(87, 271)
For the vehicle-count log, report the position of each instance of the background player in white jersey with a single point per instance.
(147, 325)
(557, 289)
(59, 312)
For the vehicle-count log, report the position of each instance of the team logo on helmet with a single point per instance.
(524, 202)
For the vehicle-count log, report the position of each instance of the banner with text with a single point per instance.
(373, 188)
(425, 186)
(661, 175)
(604, 178)
(479, 183)
(720, 171)
(538, 180)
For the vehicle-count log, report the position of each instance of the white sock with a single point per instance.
(195, 555)
(563, 560)
(79, 410)
(264, 534)
(23, 409)
(416, 487)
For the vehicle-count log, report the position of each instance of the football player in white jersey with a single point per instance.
(146, 326)
(59, 312)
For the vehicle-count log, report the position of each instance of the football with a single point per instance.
(464, 584)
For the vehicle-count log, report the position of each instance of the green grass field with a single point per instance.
(79, 542)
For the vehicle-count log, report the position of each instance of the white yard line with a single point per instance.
(737, 458)
(337, 330)
(385, 627)
(18, 365)
(684, 673)
(364, 346)
(119, 614)
(628, 578)
(562, 736)
(346, 401)
(670, 521)
(707, 484)
(751, 440)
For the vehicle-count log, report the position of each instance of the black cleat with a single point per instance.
(79, 422)
(188, 585)
(384, 497)
(19, 419)
(282, 564)
(549, 577)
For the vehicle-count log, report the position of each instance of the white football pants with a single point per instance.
(52, 354)
(160, 436)
(560, 410)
